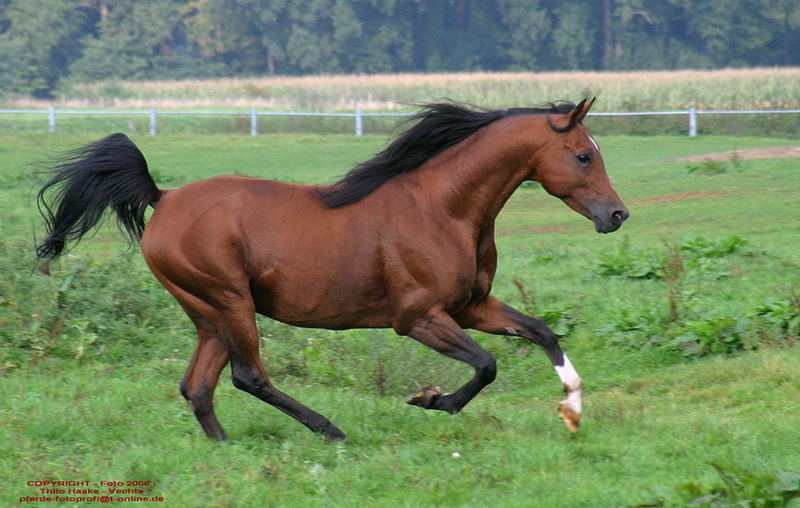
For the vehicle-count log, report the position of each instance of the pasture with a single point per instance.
(765, 88)
(726, 89)
(683, 325)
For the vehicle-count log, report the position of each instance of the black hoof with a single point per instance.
(426, 398)
(332, 433)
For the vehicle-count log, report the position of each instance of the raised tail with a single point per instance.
(86, 182)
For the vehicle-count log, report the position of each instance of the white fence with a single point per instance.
(358, 115)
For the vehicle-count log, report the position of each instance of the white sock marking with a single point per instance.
(572, 384)
(567, 374)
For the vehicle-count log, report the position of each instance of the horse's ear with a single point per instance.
(572, 118)
(577, 115)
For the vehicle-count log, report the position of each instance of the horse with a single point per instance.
(404, 240)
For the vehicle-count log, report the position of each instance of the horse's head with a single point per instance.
(569, 166)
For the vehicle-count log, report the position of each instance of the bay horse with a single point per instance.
(405, 241)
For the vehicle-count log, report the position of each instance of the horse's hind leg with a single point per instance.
(209, 358)
(248, 374)
(440, 332)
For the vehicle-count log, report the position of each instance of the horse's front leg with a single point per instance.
(493, 316)
(440, 332)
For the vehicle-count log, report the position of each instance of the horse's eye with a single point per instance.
(584, 158)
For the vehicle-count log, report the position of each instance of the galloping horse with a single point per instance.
(405, 240)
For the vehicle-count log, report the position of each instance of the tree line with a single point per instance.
(45, 45)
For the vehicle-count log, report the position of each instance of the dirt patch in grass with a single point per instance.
(778, 152)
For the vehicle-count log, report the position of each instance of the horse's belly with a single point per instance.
(311, 302)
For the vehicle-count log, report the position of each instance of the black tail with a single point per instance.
(86, 182)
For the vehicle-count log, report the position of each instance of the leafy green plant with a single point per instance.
(739, 487)
(743, 488)
(629, 263)
(721, 335)
(700, 247)
(637, 327)
(707, 167)
(776, 321)
(693, 253)
(782, 315)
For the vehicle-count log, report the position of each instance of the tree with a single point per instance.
(133, 40)
(47, 43)
(245, 36)
(33, 59)
(527, 25)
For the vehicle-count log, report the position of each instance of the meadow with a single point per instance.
(766, 88)
(726, 89)
(684, 326)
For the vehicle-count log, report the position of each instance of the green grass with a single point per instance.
(728, 89)
(643, 437)
(90, 359)
(618, 91)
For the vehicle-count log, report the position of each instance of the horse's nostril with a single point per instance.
(618, 216)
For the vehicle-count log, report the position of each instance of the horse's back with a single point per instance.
(202, 213)
(274, 241)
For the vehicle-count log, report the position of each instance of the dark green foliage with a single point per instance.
(160, 39)
(782, 314)
(740, 487)
(775, 322)
(698, 247)
(696, 252)
(673, 325)
(632, 264)
(723, 335)
(707, 167)
(113, 310)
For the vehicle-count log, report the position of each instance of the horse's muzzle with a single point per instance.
(610, 220)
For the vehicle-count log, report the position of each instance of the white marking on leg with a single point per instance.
(569, 377)
(572, 387)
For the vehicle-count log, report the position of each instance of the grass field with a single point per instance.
(683, 325)
(730, 89)
(618, 91)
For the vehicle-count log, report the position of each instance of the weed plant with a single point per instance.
(684, 268)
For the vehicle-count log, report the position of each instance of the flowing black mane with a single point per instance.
(438, 126)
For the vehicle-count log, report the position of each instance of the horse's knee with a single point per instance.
(487, 368)
(199, 398)
(247, 379)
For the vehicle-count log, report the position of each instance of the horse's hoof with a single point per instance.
(426, 398)
(332, 433)
(571, 417)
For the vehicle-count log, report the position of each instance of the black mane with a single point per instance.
(438, 126)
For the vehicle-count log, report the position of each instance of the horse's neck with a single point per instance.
(474, 179)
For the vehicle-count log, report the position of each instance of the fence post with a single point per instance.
(253, 122)
(692, 122)
(359, 123)
(153, 122)
(51, 121)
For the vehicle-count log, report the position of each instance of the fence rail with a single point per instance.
(357, 115)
